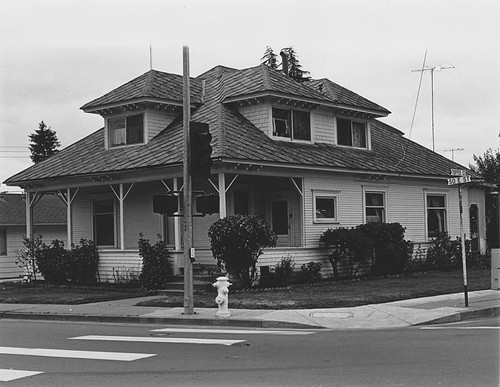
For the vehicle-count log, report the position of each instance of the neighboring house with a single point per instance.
(304, 156)
(49, 221)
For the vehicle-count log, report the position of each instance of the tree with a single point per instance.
(44, 143)
(488, 166)
(270, 59)
(294, 67)
(237, 241)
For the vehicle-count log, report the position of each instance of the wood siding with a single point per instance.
(156, 121)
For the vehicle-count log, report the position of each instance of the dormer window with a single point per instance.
(292, 124)
(351, 133)
(126, 130)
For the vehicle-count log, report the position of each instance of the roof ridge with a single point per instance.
(148, 84)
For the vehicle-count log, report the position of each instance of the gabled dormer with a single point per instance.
(137, 111)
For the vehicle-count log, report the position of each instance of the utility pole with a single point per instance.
(453, 150)
(187, 191)
(431, 70)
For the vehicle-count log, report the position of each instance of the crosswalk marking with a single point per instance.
(233, 331)
(74, 354)
(9, 375)
(171, 340)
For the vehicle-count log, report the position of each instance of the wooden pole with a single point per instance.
(188, 214)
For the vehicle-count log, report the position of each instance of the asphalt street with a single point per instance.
(93, 354)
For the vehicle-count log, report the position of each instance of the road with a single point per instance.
(90, 354)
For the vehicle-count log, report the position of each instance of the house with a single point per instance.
(304, 156)
(49, 221)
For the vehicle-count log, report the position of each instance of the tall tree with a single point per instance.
(488, 166)
(294, 67)
(270, 59)
(43, 143)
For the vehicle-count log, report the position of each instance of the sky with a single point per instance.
(55, 56)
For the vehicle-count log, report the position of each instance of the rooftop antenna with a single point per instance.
(453, 150)
(431, 70)
(150, 57)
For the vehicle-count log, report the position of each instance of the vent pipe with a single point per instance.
(284, 62)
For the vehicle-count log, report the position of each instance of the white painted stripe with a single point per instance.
(73, 354)
(233, 331)
(8, 375)
(463, 328)
(170, 340)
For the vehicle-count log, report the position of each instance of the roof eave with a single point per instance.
(102, 108)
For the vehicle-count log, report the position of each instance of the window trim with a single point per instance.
(368, 190)
(367, 133)
(446, 209)
(108, 142)
(99, 198)
(291, 126)
(322, 194)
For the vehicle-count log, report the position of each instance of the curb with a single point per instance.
(155, 320)
(463, 316)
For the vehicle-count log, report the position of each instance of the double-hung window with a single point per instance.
(325, 206)
(351, 133)
(104, 222)
(292, 124)
(375, 207)
(126, 130)
(436, 214)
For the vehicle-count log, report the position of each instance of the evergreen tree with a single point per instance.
(43, 143)
(294, 67)
(270, 58)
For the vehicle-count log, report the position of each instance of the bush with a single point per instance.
(310, 273)
(156, 268)
(27, 257)
(391, 252)
(83, 262)
(53, 262)
(237, 241)
(283, 271)
(443, 254)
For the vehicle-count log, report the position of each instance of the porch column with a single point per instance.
(67, 199)
(222, 195)
(121, 196)
(29, 216)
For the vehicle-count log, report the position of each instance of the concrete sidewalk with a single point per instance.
(439, 309)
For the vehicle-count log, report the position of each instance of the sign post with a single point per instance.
(462, 178)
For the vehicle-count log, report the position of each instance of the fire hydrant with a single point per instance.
(222, 298)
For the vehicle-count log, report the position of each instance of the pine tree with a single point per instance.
(294, 67)
(43, 143)
(270, 58)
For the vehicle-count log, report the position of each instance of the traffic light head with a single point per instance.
(165, 204)
(200, 149)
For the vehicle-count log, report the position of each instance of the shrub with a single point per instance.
(351, 245)
(310, 272)
(84, 258)
(237, 241)
(284, 271)
(156, 268)
(53, 262)
(26, 258)
(443, 253)
(391, 252)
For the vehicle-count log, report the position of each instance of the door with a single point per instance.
(279, 218)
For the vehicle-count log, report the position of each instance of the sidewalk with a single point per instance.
(439, 309)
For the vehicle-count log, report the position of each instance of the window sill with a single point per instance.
(326, 221)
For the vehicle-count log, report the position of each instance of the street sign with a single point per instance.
(458, 172)
(459, 180)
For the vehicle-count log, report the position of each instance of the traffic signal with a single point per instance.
(165, 204)
(207, 204)
(200, 149)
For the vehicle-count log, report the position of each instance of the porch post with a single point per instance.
(29, 216)
(69, 219)
(122, 223)
(222, 195)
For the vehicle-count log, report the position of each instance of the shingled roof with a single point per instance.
(49, 210)
(237, 139)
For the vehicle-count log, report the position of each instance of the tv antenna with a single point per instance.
(431, 70)
(453, 150)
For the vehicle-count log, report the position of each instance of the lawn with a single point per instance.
(322, 295)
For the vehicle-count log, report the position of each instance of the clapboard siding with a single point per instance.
(157, 121)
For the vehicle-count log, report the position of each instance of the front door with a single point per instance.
(279, 207)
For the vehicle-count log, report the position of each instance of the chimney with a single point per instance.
(284, 62)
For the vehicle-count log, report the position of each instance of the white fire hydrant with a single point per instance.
(222, 298)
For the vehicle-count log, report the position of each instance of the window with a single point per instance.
(104, 222)
(351, 133)
(126, 130)
(436, 214)
(325, 207)
(375, 207)
(3, 242)
(292, 124)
